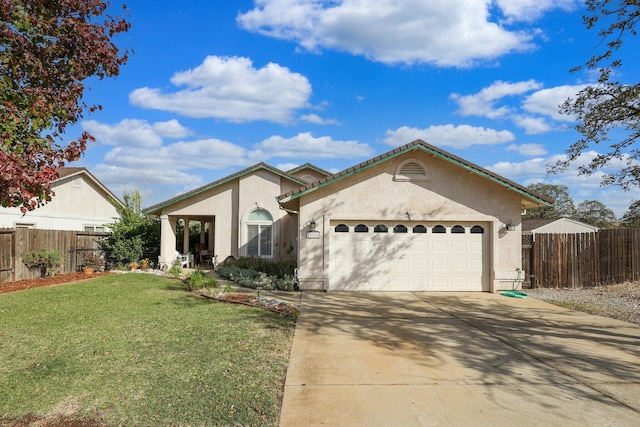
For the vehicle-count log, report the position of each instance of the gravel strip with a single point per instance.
(620, 302)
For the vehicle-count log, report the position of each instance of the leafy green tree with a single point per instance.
(631, 218)
(563, 206)
(47, 50)
(608, 105)
(132, 232)
(595, 213)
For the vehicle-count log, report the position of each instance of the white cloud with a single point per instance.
(547, 101)
(136, 133)
(231, 89)
(528, 150)
(152, 184)
(461, 136)
(534, 112)
(287, 166)
(527, 10)
(482, 103)
(443, 32)
(581, 187)
(307, 147)
(531, 170)
(317, 120)
(532, 125)
(183, 155)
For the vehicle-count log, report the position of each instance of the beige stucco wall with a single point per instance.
(78, 203)
(230, 204)
(450, 194)
(220, 203)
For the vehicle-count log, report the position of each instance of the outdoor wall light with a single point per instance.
(312, 224)
(510, 225)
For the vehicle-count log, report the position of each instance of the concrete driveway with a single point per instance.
(458, 359)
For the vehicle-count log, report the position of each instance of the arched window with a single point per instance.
(439, 229)
(399, 229)
(476, 229)
(342, 228)
(419, 229)
(458, 229)
(361, 228)
(259, 234)
(380, 228)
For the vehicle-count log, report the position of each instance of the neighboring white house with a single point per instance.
(533, 226)
(81, 203)
(416, 218)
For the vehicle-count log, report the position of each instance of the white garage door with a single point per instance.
(410, 256)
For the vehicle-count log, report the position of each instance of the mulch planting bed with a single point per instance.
(58, 279)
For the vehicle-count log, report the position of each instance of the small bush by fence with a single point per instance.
(583, 260)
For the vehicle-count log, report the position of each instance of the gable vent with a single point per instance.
(411, 171)
(412, 168)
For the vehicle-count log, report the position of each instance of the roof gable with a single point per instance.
(248, 171)
(68, 172)
(418, 144)
(310, 167)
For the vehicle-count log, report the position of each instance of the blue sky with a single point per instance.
(214, 87)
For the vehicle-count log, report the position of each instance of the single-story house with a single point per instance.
(416, 218)
(81, 203)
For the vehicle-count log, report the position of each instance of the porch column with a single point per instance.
(202, 225)
(212, 235)
(185, 245)
(167, 242)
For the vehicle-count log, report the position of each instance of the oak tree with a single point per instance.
(608, 112)
(563, 207)
(596, 213)
(47, 50)
(631, 218)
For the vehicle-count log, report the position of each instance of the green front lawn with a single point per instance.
(136, 349)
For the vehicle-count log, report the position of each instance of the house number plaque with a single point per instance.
(313, 234)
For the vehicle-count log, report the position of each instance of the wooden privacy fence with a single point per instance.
(583, 260)
(16, 243)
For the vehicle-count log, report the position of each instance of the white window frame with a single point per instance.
(263, 227)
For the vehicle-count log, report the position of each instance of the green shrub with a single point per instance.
(199, 280)
(254, 279)
(176, 269)
(280, 268)
(48, 261)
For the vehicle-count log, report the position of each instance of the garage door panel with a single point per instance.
(457, 246)
(441, 264)
(459, 265)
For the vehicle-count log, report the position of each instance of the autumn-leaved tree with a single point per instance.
(47, 50)
(608, 105)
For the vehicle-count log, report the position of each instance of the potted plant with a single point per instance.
(93, 262)
(133, 265)
(145, 263)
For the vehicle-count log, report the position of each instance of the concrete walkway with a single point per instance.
(458, 359)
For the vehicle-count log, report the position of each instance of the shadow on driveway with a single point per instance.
(458, 359)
